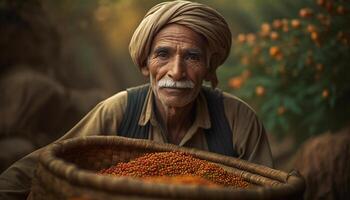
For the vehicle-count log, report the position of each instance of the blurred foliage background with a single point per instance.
(295, 70)
(289, 59)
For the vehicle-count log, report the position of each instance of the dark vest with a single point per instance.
(219, 136)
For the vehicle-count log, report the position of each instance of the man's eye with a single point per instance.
(194, 57)
(162, 54)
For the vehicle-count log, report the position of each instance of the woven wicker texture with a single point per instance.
(67, 170)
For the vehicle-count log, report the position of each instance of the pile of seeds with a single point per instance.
(175, 164)
(181, 179)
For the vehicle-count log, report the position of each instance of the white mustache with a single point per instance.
(170, 83)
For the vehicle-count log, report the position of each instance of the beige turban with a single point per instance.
(198, 17)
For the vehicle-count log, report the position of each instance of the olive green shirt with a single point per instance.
(249, 137)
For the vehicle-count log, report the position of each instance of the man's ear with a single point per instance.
(211, 76)
(145, 70)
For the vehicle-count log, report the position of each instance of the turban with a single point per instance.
(198, 17)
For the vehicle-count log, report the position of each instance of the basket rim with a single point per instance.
(290, 183)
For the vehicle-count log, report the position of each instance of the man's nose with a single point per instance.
(177, 69)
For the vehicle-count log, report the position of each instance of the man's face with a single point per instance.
(177, 65)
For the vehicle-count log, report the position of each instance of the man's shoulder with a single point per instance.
(115, 102)
(229, 99)
(236, 105)
(117, 97)
(139, 87)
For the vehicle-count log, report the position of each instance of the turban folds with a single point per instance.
(198, 17)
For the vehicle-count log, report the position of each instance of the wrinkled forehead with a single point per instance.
(174, 34)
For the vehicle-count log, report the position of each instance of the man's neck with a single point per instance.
(176, 120)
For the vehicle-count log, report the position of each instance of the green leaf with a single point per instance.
(292, 105)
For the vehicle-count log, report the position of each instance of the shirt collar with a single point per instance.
(202, 118)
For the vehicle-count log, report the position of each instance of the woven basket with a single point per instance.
(67, 170)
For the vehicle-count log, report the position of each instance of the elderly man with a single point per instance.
(179, 45)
